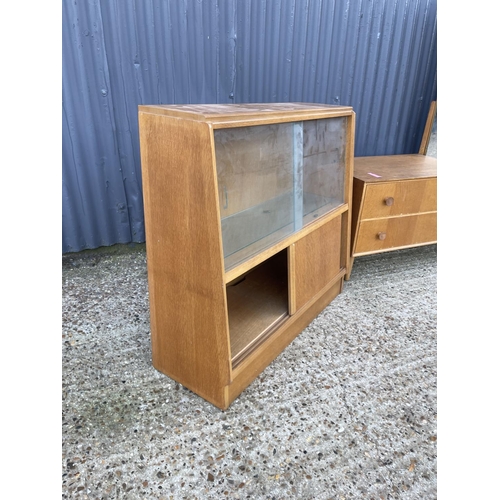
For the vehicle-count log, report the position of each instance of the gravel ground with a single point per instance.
(347, 411)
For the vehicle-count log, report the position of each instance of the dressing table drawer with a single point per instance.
(377, 235)
(400, 197)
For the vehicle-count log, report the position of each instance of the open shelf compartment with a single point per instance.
(257, 304)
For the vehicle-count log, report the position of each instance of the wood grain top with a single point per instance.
(394, 167)
(238, 112)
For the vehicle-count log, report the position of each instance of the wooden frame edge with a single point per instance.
(424, 144)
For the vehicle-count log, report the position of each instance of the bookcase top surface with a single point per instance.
(237, 112)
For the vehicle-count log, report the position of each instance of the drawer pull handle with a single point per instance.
(381, 236)
(389, 201)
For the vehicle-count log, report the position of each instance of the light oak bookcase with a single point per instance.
(247, 213)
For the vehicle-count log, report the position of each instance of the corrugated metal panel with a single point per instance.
(377, 56)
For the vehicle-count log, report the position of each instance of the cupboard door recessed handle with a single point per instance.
(381, 236)
(389, 201)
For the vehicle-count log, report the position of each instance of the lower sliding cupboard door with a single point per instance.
(316, 262)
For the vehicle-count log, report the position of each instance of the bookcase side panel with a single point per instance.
(189, 331)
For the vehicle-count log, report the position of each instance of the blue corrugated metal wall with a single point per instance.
(379, 56)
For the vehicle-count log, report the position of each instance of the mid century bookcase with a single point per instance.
(247, 213)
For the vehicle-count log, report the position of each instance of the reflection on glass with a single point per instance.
(324, 164)
(273, 179)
